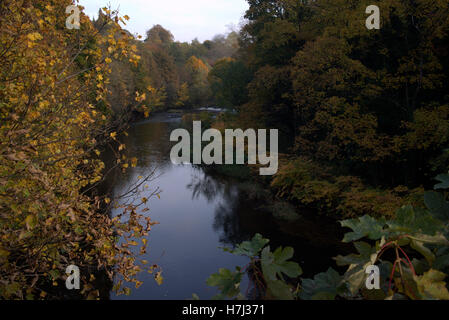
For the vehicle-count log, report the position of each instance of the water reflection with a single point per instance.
(186, 242)
(199, 212)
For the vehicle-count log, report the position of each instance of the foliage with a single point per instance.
(183, 95)
(413, 231)
(228, 80)
(267, 270)
(227, 282)
(306, 183)
(369, 103)
(421, 234)
(55, 120)
(176, 71)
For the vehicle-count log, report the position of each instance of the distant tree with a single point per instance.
(183, 95)
(229, 79)
(197, 72)
(159, 35)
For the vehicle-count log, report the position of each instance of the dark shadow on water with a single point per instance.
(199, 212)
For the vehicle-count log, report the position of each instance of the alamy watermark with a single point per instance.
(72, 21)
(213, 152)
(373, 21)
(73, 277)
(373, 279)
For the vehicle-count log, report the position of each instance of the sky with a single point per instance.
(186, 19)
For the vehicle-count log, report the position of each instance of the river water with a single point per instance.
(199, 212)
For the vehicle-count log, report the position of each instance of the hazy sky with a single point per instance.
(186, 19)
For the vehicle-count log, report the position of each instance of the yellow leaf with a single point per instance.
(34, 36)
(30, 222)
(158, 277)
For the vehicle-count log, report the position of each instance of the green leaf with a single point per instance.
(250, 248)
(279, 290)
(227, 282)
(276, 263)
(437, 239)
(419, 246)
(324, 286)
(437, 205)
(432, 286)
(355, 277)
(365, 226)
(411, 220)
(444, 179)
(365, 255)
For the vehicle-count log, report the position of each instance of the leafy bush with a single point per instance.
(308, 184)
(267, 269)
(411, 250)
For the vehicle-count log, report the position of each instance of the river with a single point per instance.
(199, 212)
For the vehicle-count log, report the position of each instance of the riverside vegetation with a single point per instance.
(362, 118)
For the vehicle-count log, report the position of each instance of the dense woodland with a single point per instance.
(171, 74)
(362, 110)
(364, 117)
(364, 129)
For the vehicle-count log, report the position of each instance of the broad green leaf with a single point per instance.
(276, 263)
(444, 179)
(324, 286)
(279, 290)
(437, 239)
(437, 205)
(227, 282)
(366, 254)
(355, 277)
(419, 246)
(250, 248)
(410, 220)
(365, 226)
